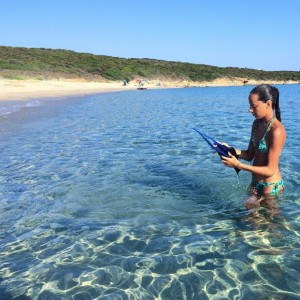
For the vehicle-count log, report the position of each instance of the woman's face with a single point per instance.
(257, 108)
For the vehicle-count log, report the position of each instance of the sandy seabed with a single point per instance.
(11, 89)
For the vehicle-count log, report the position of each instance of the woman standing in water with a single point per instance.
(266, 143)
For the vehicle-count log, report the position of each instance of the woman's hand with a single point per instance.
(232, 149)
(231, 161)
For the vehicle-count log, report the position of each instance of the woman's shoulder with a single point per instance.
(278, 129)
(277, 125)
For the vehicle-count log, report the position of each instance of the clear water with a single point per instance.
(114, 196)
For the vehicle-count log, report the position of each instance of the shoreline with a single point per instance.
(12, 89)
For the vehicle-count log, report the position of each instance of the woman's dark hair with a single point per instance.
(267, 92)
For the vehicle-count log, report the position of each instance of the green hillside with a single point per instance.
(17, 62)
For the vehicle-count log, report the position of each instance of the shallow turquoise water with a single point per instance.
(114, 196)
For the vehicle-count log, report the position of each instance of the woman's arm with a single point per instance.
(275, 148)
(246, 154)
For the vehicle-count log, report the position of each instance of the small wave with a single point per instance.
(33, 103)
(4, 111)
(9, 108)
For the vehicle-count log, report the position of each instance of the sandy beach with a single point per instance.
(27, 89)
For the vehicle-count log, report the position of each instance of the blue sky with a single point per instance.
(258, 34)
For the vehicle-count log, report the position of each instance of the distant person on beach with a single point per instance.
(125, 82)
(265, 146)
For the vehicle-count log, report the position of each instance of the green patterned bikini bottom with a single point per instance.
(259, 186)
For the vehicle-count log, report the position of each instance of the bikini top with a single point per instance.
(262, 146)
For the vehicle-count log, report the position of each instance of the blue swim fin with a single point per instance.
(221, 149)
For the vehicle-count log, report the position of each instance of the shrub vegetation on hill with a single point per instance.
(17, 62)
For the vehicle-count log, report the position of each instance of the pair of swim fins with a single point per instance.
(220, 148)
